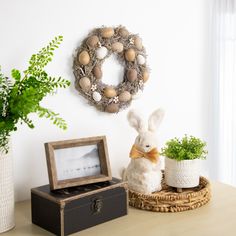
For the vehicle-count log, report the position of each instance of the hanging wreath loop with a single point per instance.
(87, 66)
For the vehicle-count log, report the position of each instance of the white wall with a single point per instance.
(175, 36)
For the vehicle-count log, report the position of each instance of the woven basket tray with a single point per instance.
(168, 200)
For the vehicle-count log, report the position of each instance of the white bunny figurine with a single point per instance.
(144, 172)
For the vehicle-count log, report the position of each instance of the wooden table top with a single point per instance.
(218, 217)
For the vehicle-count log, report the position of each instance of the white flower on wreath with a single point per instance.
(115, 99)
(131, 41)
(93, 87)
(140, 83)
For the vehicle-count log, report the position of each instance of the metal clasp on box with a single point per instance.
(97, 205)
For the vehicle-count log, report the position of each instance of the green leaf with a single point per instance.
(56, 120)
(16, 74)
(44, 56)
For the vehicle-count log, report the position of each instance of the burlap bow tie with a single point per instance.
(152, 155)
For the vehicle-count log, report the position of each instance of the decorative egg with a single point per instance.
(84, 58)
(141, 59)
(123, 32)
(130, 54)
(125, 96)
(107, 32)
(109, 92)
(145, 76)
(112, 108)
(138, 43)
(101, 52)
(92, 41)
(97, 71)
(132, 75)
(85, 84)
(117, 47)
(97, 96)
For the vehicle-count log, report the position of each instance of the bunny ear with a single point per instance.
(135, 121)
(155, 120)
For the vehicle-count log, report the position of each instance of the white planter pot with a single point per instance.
(7, 220)
(182, 174)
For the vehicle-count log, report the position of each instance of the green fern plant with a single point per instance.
(22, 94)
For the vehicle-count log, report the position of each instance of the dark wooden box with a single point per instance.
(70, 210)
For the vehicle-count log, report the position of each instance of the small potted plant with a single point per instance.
(182, 161)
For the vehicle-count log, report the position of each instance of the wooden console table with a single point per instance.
(218, 217)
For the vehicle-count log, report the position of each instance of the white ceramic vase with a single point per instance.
(182, 174)
(7, 220)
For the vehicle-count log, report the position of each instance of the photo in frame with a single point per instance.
(77, 162)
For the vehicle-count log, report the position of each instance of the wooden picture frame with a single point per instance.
(77, 162)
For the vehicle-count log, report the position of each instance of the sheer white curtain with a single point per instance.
(223, 41)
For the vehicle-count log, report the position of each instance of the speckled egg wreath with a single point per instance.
(98, 46)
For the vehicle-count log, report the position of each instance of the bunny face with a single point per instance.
(146, 141)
